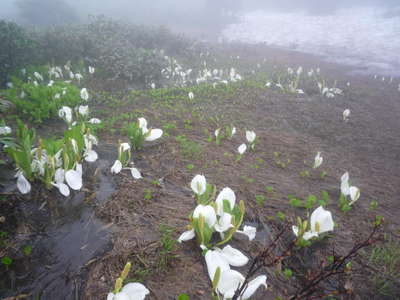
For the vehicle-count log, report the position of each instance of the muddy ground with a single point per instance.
(290, 130)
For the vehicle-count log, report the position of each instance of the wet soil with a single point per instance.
(64, 235)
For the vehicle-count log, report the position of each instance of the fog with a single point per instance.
(323, 24)
(179, 12)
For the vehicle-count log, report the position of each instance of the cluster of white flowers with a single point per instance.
(251, 139)
(347, 190)
(182, 78)
(220, 217)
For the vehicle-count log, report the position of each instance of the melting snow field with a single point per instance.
(362, 37)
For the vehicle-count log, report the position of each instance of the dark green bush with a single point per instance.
(117, 49)
(17, 49)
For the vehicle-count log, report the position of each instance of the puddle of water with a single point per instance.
(55, 269)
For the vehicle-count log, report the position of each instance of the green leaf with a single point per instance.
(226, 206)
(310, 201)
(7, 261)
(217, 277)
(27, 250)
(183, 297)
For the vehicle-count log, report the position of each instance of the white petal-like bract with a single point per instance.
(208, 212)
(74, 179)
(23, 184)
(154, 134)
(250, 136)
(224, 223)
(354, 194)
(84, 94)
(117, 167)
(242, 149)
(215, 260)
(226, 194)
(249, 231)
(198, 184)
(136, 173)
(186, 236)
(321, 220)
(318, 160)
(234, 257)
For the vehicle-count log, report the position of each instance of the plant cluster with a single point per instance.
(54, 162)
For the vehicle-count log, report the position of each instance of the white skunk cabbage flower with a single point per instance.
(117, 167)
(90, 155)
(63, 188)
(354, 194)
(94, 121)
(78, 77)
(91, 70)
(59, 175)
(344, 184)
(242, 149)
(233, 131)
(38, 76)
(84, 94)
(131, 291)
(136, 173)
(216, 132)
(224, 223)
(230, 280)
(143, 125)
(346, 115)
(154, 134)
(191, 96)
(250, 136)
(318, 160)
(59, 178)
(74, 179)
(215, 260)
(249, 231)
(226, 194)
(83, 110)
(65, 113)
(208, 212)
(4, 130)
(186, 236)
(125, 147)
(153, 85)
(234, 257)
(199, 185)
(321, 221)
(23, 184)
(299, 70)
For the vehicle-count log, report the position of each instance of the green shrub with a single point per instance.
(40, 102)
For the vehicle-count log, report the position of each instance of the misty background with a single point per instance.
(170, 12)
(359, 32)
